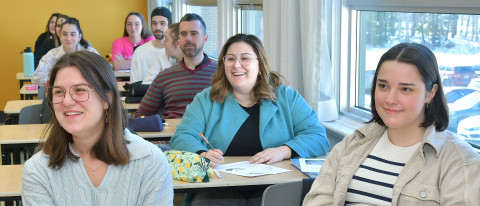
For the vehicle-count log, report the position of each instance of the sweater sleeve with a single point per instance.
(35, 183)
(135, 69)
(152, 101)
(41, 74)
(117, 49)
(157, 181)
(310, 139)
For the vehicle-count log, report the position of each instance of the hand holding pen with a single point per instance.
(215, 156)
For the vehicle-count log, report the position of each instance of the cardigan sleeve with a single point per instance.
(186, 137)
(41, 74)
(310, 139)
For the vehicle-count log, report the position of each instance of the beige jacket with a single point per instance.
(444, 171)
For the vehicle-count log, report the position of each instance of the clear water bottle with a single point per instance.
(28, 65)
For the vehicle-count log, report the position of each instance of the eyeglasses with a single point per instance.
(78, 92)
(245, 59)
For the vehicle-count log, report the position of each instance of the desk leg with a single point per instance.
(5, 156)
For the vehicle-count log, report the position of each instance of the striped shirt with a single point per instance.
(174, 88)
(372, 183)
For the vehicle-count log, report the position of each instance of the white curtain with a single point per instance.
(296, 46)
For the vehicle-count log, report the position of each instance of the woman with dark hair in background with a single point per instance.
(50, 43)
(135, 34)
(88, 157)
(48, 34)
(71, 37)
(404, 156)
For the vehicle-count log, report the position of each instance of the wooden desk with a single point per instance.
(120, 86)
(22, 79)
(27, 94)
(14, 106)
(131, 106)
(122, 75)
(15, 137)
(11, 176)
(235, 182)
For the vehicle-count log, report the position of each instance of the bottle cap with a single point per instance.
(28, 49)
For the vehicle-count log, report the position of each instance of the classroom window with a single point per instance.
(455, 40)
(209, 15)
(251, 22)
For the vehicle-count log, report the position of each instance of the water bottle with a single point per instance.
(28, 65)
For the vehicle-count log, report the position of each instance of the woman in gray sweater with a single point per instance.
(89, 158)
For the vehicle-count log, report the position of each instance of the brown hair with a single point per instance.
(144, 33)
(267, 81)
(112, 146)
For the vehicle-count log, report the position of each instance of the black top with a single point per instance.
(247, 140)
(46, 46)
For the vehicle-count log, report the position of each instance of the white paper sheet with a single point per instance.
(250, 170)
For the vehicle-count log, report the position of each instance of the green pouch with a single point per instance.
(189, 167)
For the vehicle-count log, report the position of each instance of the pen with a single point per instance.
(218, 174)
(214, 170)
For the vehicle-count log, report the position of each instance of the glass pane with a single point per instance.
(209, 15)
(252, 23)
(454, 38)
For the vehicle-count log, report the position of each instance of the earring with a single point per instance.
(426, 105)
(106, 116)
(259, 73)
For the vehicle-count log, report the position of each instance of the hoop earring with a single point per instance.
(106, 116)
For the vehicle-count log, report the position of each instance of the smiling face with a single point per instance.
(70, 37)
(400, 95)
(159, 26)
(58, 26)
(241, 76)
(81, 119)
(51, 25)
(133, 25)
(192, 38)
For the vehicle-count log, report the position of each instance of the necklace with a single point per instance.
(93, 171)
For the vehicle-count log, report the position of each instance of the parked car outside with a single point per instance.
(454, 93)
(474, 84)
(463, 108)
(469, 130)
(456, 75)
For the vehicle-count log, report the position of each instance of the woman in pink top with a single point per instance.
(135, 34)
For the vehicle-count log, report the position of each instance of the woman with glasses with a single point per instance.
(71, 37)
(88, 157)
(135, 34)
(248, 112)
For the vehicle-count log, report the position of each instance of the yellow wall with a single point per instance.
(21, 21)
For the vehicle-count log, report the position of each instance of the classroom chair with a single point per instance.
(30, 114)
(290, 193)
(41, 92)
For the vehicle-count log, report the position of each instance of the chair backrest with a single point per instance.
(283, 194)
(41, 92)
(30, 114)
(290, 193)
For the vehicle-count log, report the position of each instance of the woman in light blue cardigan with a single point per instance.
(248, 112)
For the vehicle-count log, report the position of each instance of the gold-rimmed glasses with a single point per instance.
(244, 59)
(78, 92)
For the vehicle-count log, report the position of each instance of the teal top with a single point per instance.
(145, 180)
(287, 121)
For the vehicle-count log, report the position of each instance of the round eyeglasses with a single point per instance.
(78, 92)
(244, 59)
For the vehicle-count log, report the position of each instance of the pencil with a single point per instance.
(201, 135)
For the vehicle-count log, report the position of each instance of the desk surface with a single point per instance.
(130, 106)
(21, 77)
(11, 180)
(24, 90)
(14, 106)
(230, 180)
(121, 74)
(31, 133)
(11, 176)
